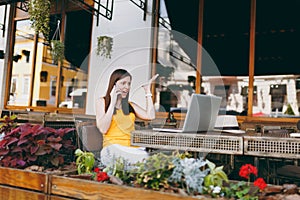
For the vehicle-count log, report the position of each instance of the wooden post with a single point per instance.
(251, 56)
(199, 47)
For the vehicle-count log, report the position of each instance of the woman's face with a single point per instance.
(123, 86)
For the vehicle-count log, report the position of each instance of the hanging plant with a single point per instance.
(104, 46)
(57, 51)
(57, 47)
(39, 11)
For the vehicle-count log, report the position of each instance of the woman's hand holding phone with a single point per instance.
(114, 94)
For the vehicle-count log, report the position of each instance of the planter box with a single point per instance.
(24, 179)
(11, 193)
(29, 180)
(84, 189)
(54, 197)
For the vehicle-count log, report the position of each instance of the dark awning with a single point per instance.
(226, 33)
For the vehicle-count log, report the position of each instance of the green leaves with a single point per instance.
(216, 175)
(84, 162)
(39, 11)
(57, 51)
(154, 171)
(7, 123)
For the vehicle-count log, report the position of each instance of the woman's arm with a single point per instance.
(149, 112)
(103, 119)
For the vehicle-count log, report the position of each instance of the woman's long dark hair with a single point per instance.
(115, 76)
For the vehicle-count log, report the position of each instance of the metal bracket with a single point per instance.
(99, 9)
(143, 5)
(24, 5)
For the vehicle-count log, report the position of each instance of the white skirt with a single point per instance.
(112, 152)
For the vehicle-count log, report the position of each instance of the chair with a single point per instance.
(288, 174)
(89, 138)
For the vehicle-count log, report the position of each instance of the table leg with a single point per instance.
(256, 162)
(231, 161)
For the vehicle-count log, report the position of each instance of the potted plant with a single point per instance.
(57, 47)
(57, 51)
(104, 46)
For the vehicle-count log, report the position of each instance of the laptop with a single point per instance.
(201, 115)
(227, 124)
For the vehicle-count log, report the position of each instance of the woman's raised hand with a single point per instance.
(147, 86)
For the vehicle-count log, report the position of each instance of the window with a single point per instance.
(276, 61)
(225, 36)
(47, 73)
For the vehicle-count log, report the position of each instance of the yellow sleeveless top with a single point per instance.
(120, 128)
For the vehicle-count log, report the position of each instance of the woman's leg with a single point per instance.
(133, 155)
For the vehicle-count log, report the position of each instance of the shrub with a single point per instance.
(29, 145)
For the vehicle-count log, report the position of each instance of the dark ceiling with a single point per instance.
(226, 26)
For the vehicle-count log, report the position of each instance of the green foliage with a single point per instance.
(216, 175)
(84, 162)
(39, 11)
(195, 176)
(155, 171)
(120, 168)
(8, 123)
(213, 182)
(57, 51)
(240, 191)
(187, 173)
(104, 46)
(289, 110)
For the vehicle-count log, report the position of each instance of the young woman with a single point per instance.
(115, 117)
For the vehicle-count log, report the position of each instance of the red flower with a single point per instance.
(246, 170)
(260, 182)
(96, 170)
(102, 176)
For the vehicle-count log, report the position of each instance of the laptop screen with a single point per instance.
(202, 113)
